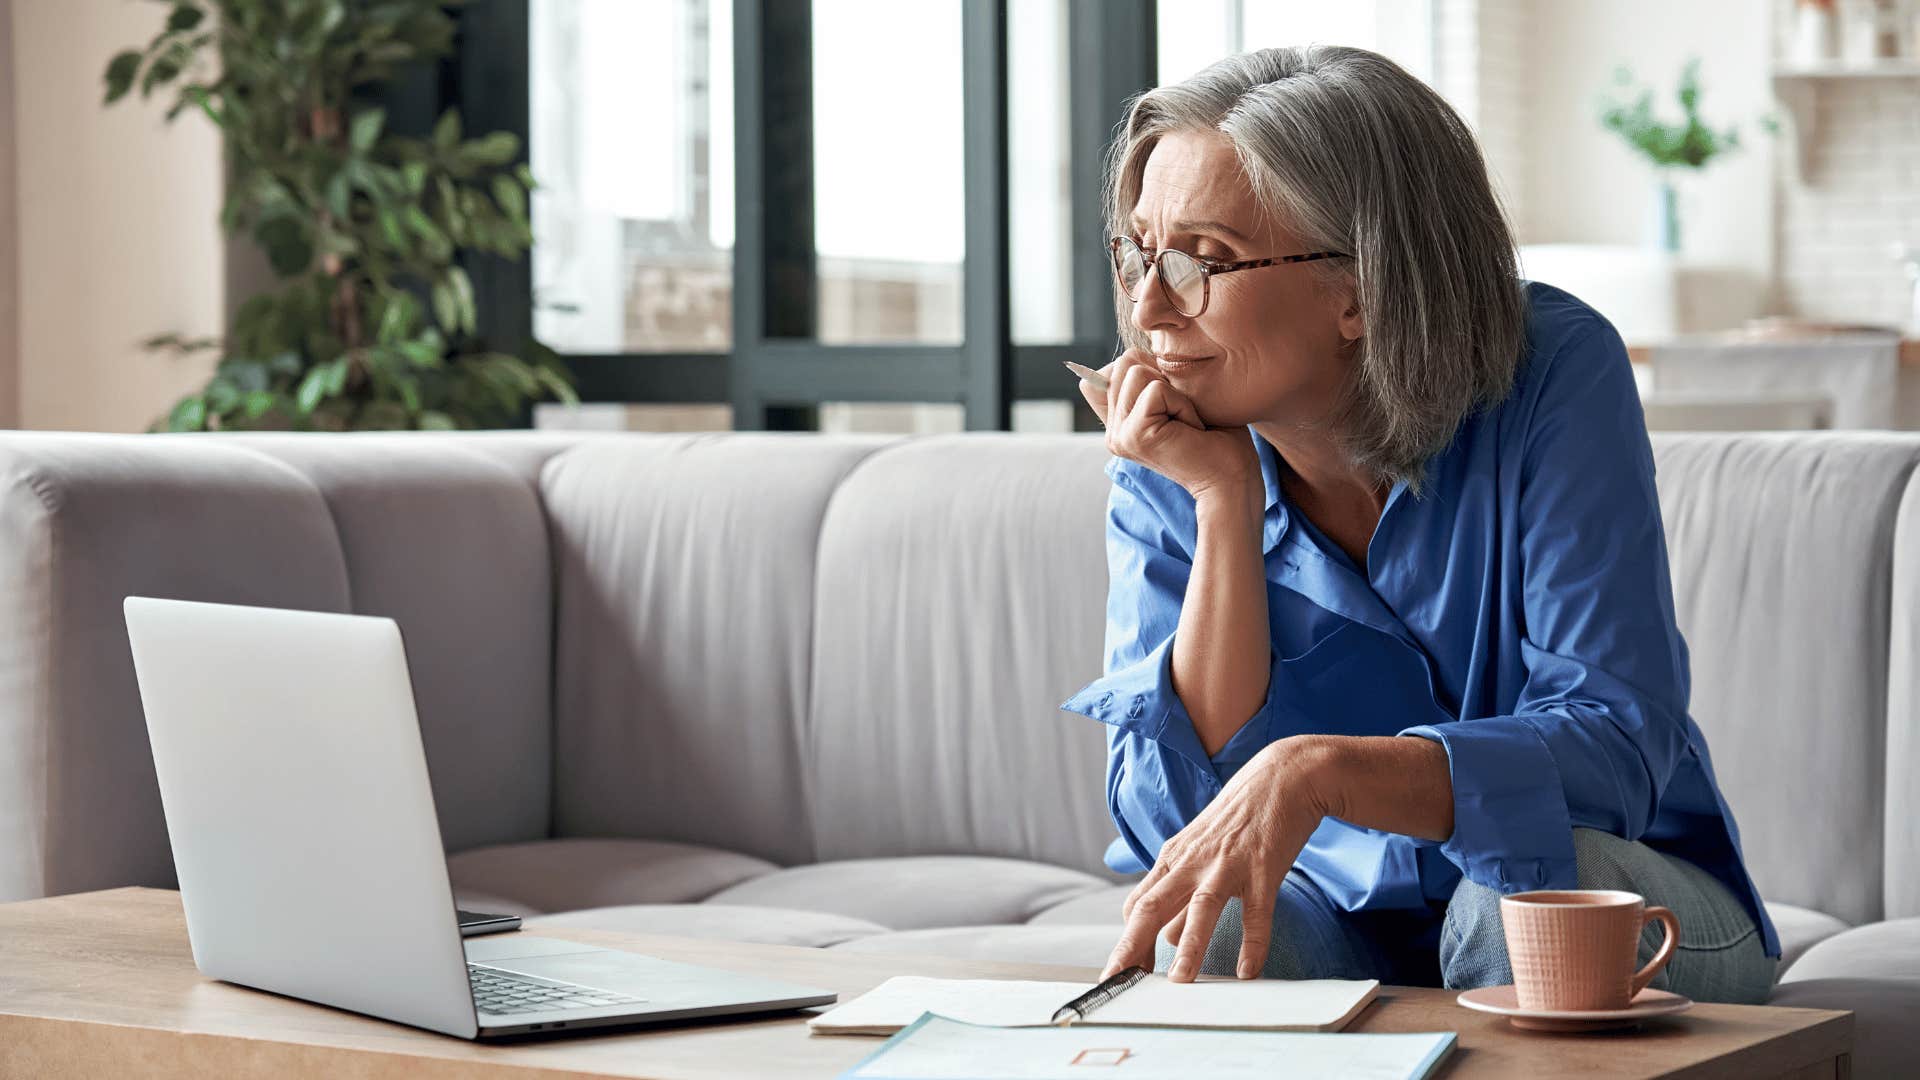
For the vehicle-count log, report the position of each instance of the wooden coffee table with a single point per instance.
(103, 984)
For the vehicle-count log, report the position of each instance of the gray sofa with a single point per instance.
(802, 689)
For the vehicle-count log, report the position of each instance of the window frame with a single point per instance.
(775, 375)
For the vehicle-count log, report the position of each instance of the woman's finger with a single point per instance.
(1132, 382)
(1256, 928)
(1202, 914)
(1160, 396)
(1146, 884)
(1097, 399)
(1172, 934)
(1153, 910)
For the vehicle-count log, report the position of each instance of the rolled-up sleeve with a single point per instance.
(1600, 722)
(1159, 776)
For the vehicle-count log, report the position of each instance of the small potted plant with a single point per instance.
(372, 321)
(1688, 144)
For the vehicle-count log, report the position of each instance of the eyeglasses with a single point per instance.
(1184, 278)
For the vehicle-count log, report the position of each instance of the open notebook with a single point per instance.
(1155, 1001)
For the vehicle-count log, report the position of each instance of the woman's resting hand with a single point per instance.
(1150, 422)
(1243, 844)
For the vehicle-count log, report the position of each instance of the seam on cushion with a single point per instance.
(804, 742)
(339, 545)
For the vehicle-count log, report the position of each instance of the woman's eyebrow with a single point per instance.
(1220, 227)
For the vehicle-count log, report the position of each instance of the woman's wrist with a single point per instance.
(1315, 769)
(1241, 498)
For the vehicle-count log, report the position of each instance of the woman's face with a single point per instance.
(1272, 344)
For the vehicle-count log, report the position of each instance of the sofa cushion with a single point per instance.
(451, 543)
(1878, 950)
(916, 892)
(1781, 547)
(1884, 1046)
(1098, 908)
(683, 634)
(723, 922)
(86, 521)
(963, 590)
(1081, 946)
(565, 875)
(1800, 929)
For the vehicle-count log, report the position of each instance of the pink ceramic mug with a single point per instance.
(1573, 951)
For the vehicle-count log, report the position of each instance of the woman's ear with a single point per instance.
(1353, 326)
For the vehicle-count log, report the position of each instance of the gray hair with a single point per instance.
(1353, 154)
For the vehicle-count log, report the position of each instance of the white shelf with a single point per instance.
(1841, 69)
(1798, 88)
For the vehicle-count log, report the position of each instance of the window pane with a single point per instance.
(1039, 172)
(1196, 33)
(889, 215)
(633, 218)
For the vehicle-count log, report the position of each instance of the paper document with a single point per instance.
(1156, 1001)
(936, 1048)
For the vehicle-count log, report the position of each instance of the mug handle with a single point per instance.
(1645, 975)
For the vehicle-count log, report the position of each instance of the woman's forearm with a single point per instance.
(1394, 783)
(1221, 649)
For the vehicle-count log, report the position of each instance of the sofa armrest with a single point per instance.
(85, 521)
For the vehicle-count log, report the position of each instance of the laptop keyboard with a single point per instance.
(497, 991)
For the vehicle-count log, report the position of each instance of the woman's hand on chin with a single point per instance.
(1241, 845)
(1150, 422)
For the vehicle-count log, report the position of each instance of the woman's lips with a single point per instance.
(1170, 365)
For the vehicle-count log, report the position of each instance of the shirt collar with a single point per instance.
(1269, 467)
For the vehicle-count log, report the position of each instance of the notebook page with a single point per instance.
(1260, 1004)
(900, 1000)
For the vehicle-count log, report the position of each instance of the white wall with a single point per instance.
(117, 235)
(1584, 185)
(9, 233)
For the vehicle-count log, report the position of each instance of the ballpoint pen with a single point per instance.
(1106, 991)
(1088, 375)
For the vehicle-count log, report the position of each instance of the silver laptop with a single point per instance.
(309, 854)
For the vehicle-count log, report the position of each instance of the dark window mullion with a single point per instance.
(987, 281)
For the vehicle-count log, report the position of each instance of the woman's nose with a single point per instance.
(1153, 309)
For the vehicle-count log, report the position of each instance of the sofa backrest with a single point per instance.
(683, 634)
(1782, 548)
(961, 597)
(810, 647)
(443, 533)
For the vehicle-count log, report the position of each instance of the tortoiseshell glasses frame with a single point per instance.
(1180, 271)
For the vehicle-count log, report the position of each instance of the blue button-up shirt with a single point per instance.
(1519, 613)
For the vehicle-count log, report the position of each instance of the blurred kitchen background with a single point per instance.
(876, 215)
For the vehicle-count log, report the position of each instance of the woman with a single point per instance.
(1390, 630)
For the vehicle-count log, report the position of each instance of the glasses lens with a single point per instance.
(1129, 266)
(1186, 283)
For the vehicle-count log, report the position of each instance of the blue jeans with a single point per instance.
(1721, 956)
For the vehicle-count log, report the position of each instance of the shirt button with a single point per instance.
(1139, 705)
(1106, 699)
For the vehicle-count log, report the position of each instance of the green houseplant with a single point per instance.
(371, 322)
(1688, 144)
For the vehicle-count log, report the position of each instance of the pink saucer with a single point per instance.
(1504, 1001)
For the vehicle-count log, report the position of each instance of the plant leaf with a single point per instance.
(312, 387)
(495, 149)
(184, 17)
(432, 420)
(463, 298)
(120, 72)
(366, 129)
(446, 133)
